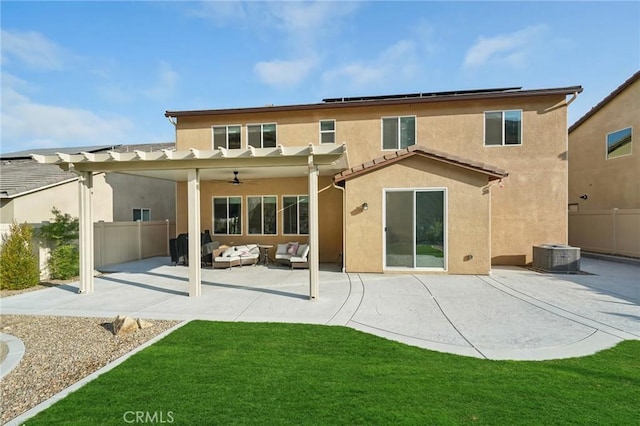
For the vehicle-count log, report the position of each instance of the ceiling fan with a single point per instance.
(235, 180)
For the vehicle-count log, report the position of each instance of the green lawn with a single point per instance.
(240, 373)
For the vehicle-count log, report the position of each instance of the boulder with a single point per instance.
(142, 324)
(123, 325)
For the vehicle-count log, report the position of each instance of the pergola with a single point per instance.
(194, 166)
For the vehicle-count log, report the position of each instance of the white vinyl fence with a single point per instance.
(116, 242)
(613, 231)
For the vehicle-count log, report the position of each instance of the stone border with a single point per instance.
(14, 355)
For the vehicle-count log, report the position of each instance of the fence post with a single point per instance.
(139, 240)
(101, 245)
(167, 237)
(615, 230)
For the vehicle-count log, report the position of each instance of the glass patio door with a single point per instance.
(415, 225)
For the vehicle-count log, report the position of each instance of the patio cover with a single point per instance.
(192, 166)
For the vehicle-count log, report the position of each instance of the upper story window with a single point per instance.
(398, 132)
(226, 137)
(327, 131)
(503, 128)
(227, 214)
(619, 143)
(142, 215)
(261, 135)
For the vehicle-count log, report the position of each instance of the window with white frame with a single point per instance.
(327, 131)
(503, 128)
(142, 215)
(619, 143)
(226, 137)
(398, 132)
(227, 214)
(295, 214)
(262, 214)
(261, 135)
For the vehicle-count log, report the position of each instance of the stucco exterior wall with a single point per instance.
(613, 183)
(36, 206)
(529, 208)
(329, 221)
(468, 214)
(131, 192)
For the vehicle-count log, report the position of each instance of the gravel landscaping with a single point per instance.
(59, 351)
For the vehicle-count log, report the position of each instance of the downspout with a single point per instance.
(344, 222)
(573, 98)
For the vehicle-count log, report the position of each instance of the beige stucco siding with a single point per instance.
(36, 206)
(468, 214)
(133, 192)
(529, 209)
(330, 206)
(613, 183)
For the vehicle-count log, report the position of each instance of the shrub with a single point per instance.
(64, 262)
(18, 264)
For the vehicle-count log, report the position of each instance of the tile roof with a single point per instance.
(20, 174)
(392, 157)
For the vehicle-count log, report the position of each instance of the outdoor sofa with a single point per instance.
(227, 257)
(293, 254)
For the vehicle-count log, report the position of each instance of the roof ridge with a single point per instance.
(389, 158)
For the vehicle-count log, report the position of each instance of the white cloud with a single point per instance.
(33, 49)
(506, 47)
(167, 80)
(399, 61)
(27, 124)
(284, 73)
(302, 30)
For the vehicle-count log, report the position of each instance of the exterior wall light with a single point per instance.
(365, 206)
(584, 197)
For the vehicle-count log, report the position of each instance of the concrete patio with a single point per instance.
(513, 314)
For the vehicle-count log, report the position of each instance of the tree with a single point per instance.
(64, 261)
(18, 264)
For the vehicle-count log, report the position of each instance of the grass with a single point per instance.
(245, 373)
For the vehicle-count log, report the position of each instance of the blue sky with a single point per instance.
(90, 73)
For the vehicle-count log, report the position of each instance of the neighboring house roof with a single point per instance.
(388, 159)
(605, 101)
(332, 103)
(20, 174)
(50, 151)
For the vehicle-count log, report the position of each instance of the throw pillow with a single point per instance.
(292, 249)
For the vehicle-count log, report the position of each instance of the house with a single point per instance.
(604, 174)
(28, 190)
(446, 182)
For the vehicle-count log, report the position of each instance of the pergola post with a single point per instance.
(314, 262)
(85, 187)
(193, 209)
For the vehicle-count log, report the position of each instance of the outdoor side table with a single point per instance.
(264, 252)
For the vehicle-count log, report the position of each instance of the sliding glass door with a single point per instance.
(415, 224)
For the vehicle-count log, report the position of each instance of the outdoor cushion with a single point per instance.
(228, 252)
(303, 250)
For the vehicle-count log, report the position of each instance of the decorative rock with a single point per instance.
(142, 324)
(123, 325)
